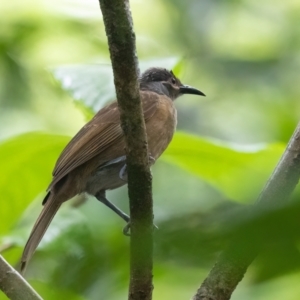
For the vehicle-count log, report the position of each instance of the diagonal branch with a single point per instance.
(234, 261)
(13, 285)
(121, 41)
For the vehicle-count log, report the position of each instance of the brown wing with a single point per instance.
(97, 135)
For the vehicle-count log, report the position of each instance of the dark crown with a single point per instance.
(156, 74)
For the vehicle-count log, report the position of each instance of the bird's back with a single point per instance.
(101, 140)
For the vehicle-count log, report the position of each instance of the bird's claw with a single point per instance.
(126, 229)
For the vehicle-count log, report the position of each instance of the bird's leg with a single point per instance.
(101, 197)
(123, 176)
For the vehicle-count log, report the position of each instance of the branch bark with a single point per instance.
(121, 40)
(13, 285)
(232, 264)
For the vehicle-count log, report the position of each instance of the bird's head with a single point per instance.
(164, 82)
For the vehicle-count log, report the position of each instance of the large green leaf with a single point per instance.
(26, 164)
(27, 161)
(93, 84)
(239, 172)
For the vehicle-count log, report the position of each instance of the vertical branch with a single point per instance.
(232, 264)
(13, 285)
(121, 40)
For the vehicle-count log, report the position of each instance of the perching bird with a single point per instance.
(94, 160)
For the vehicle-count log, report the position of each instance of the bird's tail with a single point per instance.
(49, 210)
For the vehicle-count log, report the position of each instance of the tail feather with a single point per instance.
(38, 230)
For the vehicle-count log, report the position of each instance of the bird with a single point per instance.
(94, 161)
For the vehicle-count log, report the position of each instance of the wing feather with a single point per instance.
(97, 136)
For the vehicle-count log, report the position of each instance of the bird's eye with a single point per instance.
(173, 80)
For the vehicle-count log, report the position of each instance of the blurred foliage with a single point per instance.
(244, 55)
(82, 81)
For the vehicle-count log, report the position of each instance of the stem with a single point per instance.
(13, 285)
(121, 40)
(232, 264)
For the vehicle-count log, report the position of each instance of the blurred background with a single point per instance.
(55, 70)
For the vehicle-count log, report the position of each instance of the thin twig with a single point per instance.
(121, 40)
(232, 264)
(13, 285)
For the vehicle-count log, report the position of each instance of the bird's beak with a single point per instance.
(186, 89)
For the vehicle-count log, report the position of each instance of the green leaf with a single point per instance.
(93, 84)
(239, 172)
(26, 165)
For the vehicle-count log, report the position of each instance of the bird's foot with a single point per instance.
(126, 229)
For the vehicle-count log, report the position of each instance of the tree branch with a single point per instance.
(232, 264)
(121, 41)
(14, 286)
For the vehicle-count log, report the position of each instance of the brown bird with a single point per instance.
(94, 160)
